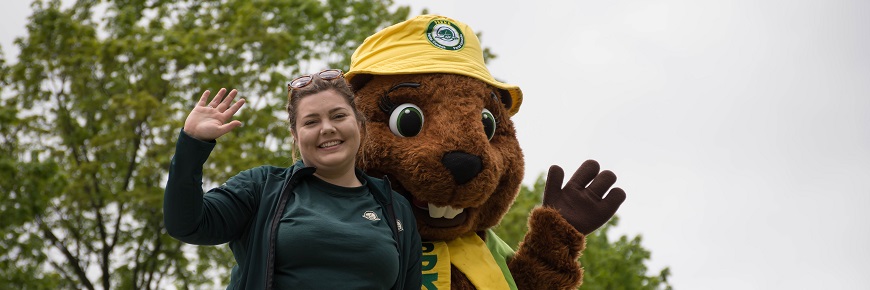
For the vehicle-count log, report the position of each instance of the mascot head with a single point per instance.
(438, 125)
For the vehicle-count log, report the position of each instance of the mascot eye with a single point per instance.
(489, 123)
(406, 120)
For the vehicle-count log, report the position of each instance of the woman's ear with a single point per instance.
(293, 139)
(294, 148)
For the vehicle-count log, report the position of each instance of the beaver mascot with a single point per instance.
(439, 128)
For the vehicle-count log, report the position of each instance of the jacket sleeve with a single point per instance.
(216, 217)
(413, 245)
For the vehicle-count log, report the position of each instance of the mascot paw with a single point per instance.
(582, 201)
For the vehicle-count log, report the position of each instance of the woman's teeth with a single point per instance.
(329, 144)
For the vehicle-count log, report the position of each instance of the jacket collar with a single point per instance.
(380, 188)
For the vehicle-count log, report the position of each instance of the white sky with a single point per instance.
(739, 129)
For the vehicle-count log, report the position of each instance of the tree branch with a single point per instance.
(97, 204)
(67, 224)
(152, 263)
(62, 271)
(73, 261)
(131, 167)
(137, 264)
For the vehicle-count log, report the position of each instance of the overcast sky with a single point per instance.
(740, 130)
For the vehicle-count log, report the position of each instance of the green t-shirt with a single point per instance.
(333, 237)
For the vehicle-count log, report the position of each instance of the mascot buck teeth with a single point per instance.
(439, 127)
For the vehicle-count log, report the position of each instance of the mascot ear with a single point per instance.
(505, 97)
(360, 81)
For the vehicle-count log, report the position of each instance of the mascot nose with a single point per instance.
(462, 166)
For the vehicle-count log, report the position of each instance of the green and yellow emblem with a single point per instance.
(445, 35)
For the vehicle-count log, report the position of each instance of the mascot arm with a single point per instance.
(547, 257)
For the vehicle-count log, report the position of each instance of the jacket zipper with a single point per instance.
(273, 229)
(394, 227)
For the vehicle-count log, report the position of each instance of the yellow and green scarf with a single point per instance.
(485, 264)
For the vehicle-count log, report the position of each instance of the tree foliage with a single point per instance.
(92, 107)
(618, 264)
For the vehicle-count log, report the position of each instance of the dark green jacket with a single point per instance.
(247, 216)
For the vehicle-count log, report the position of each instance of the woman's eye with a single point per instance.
(489, 123)
(406, 120)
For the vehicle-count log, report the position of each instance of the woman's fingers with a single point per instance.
(226, 128)
(228, 100)
(203, 99)
(232, 110)
(224, 108)
(217, 98)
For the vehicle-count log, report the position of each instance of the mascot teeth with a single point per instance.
(443, 211)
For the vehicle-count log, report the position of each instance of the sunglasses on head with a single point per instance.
(327, 74)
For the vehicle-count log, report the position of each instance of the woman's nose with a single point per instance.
(327, 128)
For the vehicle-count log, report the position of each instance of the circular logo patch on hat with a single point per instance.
(445, 35)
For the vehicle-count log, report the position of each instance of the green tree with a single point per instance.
(92, 107)
(618, 264)
(15, 168)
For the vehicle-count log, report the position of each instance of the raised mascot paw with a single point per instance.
(582, 202)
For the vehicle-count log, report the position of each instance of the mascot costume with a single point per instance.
(439, 127)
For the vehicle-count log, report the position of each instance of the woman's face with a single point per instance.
(327, 132)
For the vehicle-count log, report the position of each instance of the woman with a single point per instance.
(319, 224)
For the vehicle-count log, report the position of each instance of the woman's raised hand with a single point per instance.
(208, 121)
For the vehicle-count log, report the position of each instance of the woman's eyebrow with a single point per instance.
(333, 110)
(336, 109)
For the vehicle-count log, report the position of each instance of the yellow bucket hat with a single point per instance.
(427, 44)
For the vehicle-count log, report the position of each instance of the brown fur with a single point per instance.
(459, 281)
(452, 107)
(538, 264)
